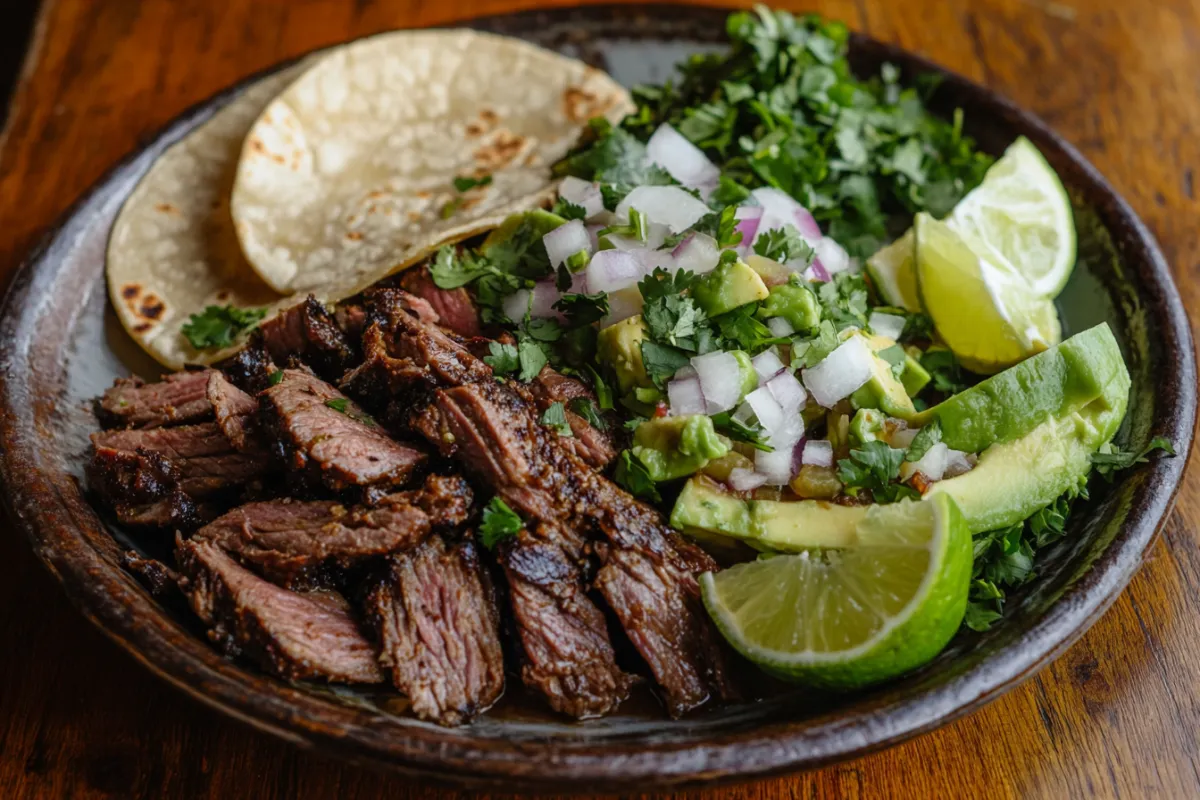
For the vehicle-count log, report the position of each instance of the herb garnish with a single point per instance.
(499, 522)
(465, 183)
(873, 467)
(555, 418)
(1112, 458)
(635, 478)
(586, 408)
(218, 326)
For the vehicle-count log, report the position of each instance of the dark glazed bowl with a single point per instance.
(60, 345)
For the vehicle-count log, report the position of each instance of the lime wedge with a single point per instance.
(856, 616)
(892, 272)
(985, 313)
(1021, 218)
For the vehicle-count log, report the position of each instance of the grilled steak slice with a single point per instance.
(588, 442)
(325, 436)
(176, 399)
(310, 636)
(435, 618)
(568, 656)
(289, 540)
(250, 368)
(204, 462)
(159, 579)
(647, 574)
(455, 309)
(234, 411)
(143, 489)
(308, 332)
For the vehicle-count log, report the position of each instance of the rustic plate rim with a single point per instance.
(445, 757)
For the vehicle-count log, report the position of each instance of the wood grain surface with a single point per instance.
(1117, 716)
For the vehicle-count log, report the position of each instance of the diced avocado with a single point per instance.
(720, 468)
(747, 372)
(1010, 404)
(1011, 481)
(727, 287)
(816, 483)
(675, 447)
(883, 391)
(538, 221)
(794, 302)
(866, 425)
(772, 272)
(915, 377)
(620, 347)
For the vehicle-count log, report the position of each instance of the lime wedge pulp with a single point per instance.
(855, 616)
(986, 314)
(892, 272)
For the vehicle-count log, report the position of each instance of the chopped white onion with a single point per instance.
(831, 256)
(783, 426)
(781, 210)
(887, 325)
(612, 270)
(780, 327)
(652, 259)
(840, 373)
(685, 162)
(670, 205)
(957, 463)
(787, 391)
(697, 253)
(818, 453)
(777, 466)
(902, 438)
(567, 240)
(544, 295)
(685, 397)
(582, 193)
(744, 414)
(745, 480)
(656, 234)
(720, 379)
(622, 305)
(767, 364)
(686, 371)
(932, 465)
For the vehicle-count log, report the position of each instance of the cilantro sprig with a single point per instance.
(219, 326)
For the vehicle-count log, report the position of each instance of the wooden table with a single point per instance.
(1118, 715)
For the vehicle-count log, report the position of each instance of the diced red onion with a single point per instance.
(889, 326)
(781, 209)
(817, 273)
(767, 364)
(778, 466)
(685, 397)
(567, 240)
(544, 294)
(697, 253)
(745, 480)
(818, 453)
(748, 218)
(807, 225)
(685, 162)
(831, 256)
(932, 465)
(720, 380)
(582, 193)
(788, 392)
(670, 205)
(780, 327)
(612, 270)
(622, 305)
(957, 463)
(653, 259)
(840, 373)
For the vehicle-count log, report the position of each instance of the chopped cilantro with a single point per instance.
(844, 300)
(926, 438)
(219, 326)
(633, 476)
(342, 406)
(873, 468)
(532, 358)
(783, 245)
(499, 522)
(568, 210)
(586, 408)
(637, 227)
(555, 418)
(604, 393)
(742, 330)
(1112, 459)
(465, 183)
(583, 309)
(814, 349)
(502, 358)
(275, 377)
(740, 432)
(662, 361)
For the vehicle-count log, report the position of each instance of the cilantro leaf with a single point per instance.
(814, 349)
(219, 326)
(873, 467)
(568, 210)
(1112, 459)
(532, 357)
(502, 358)
(499, 523)
(632, 475)
(555, 418)
(926, 438)
(783, 245)
(583, 309)
(342, 406)
(586, 408)
(662, 361)
(465, 183)
(604, 392)
(750, 434)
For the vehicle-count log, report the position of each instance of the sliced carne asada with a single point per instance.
(587, 441)
(249, 369)
(142, 488)
(434, 614)
(202, 459)
(455, 309)
(647, 574)
(296, 636)
(564, 636)
(323, 435)
(308, 332)
(159, 579)
(175, 400)
(289, 541)
(234, 411)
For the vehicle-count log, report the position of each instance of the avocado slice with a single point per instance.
(884, 390)
(727, 287)
(620, 346)
(1053, 383)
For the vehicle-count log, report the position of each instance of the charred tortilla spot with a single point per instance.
(424, 195)
(256, 145)
(153, 308)
(142, 327)
(222, 295)
(503, 148)
(130, 291)
(166, 208)
(354, 236)
(475, 129)
(489, 117)
(415, 216)
(578, 104)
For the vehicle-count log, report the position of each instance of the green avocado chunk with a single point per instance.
(620, 347)
(675, 447)
(884, 390)
(795, 303)
(1012, 480)
(538, 221)
(727, 287)
(915, 377)
(1010, 404)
